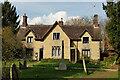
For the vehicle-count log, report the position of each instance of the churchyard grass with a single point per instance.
(47, 70)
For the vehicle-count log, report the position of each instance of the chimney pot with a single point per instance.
(24, 14)
(24, 24)
(61, 22)
(96, 20)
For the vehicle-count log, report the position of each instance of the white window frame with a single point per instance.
(28, 39)
(56, 51)
(86, 52)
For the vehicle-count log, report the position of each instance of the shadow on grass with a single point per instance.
(48, 72)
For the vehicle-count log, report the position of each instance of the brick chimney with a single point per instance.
(24, 24)
(61, 22)
(95, 21)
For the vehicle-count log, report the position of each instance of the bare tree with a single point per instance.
(78, 21)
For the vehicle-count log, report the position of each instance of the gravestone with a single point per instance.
(62, 65)
(25, 63)
(13, 72)
(20, 65)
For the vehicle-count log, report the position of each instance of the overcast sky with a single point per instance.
(49, 12)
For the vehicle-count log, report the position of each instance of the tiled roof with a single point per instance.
(73, 32)
(39, 30)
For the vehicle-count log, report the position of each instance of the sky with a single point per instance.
(49, 12)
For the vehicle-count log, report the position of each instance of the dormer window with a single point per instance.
(85, 40)
(56, 36)
(30, 39)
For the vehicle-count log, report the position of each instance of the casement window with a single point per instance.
(30, 39)
(56, 51)
(85, 40)
(53, 51)
(86, 52)
(59, 51)
(56, 36)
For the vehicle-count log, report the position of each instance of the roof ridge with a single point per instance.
(39, 25)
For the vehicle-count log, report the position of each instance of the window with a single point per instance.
(85, 40)
(56, 36)
(30, 39)
(86, 52)
(53, 51)
(56, 51)
(59, 51)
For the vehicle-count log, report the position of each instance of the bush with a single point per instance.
(118, 61)
(110, 59)
(5, 73)
(54, 60)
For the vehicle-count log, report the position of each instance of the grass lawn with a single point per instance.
(47, 70)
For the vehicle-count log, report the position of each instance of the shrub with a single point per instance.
(5, 73)
(110, 59)
(54, 60)
(118, 61)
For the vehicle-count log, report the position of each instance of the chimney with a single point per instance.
(24, 24)
(61, 22)
(95, 21)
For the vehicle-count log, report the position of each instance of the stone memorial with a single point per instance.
(13, 72)
(25, 63)
(20, 65)
(62, 65)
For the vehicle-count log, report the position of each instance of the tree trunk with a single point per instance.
(116, 59)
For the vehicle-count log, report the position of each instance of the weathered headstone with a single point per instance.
(20, 65)
(13, 72)
(62, 65)
(25, 63)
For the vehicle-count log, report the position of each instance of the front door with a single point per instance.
(72, 55)
(41, 53)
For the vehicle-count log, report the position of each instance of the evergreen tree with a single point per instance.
(9, 15)
(112, 10)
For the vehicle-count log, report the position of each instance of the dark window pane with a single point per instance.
(54, 36)
(58, 36)
(85, 39)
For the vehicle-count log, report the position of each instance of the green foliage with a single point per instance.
(5, 73)
(110, 59)
(10, 16)
(11, 45)
(112, 10)
(54, 60)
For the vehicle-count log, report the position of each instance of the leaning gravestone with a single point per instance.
(25, 63)
(20, 65)
(13, 72)
(62, 65)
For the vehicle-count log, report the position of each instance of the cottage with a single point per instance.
(45, 41)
